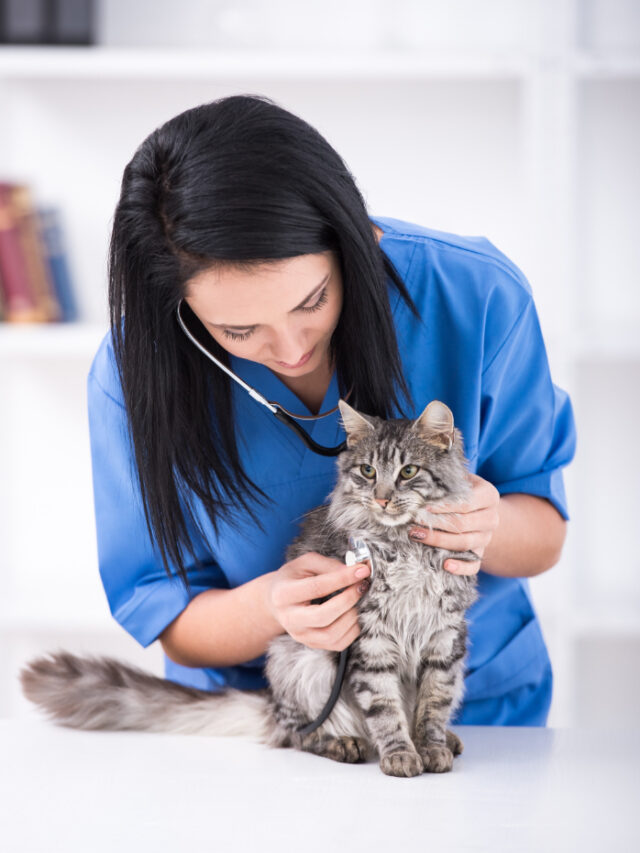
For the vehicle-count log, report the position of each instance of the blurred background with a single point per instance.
(518, 120)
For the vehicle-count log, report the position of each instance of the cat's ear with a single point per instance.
(355, 424)
(435, 425)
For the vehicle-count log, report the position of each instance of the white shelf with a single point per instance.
(110, 63)
(46, 340)
(105, 63)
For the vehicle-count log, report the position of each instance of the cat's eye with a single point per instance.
(368, 471)
(409, 471)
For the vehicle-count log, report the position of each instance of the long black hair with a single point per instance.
(237, 182)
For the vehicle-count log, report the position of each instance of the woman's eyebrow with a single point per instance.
(306, 299)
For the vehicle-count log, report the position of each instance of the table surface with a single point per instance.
(513, 789)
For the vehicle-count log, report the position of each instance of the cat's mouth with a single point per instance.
(390, 517)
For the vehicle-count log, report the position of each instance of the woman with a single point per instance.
(239, 220)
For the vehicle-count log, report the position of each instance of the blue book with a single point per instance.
(56, 259)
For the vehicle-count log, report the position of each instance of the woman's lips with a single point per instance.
(303, 360)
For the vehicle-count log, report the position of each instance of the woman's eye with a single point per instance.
(409, 471)
(368, 471)
(242, 336)
(321, 301)
(236, 336)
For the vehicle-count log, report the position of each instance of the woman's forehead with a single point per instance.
(229, 295)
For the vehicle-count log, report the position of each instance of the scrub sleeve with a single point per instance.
(478, 347)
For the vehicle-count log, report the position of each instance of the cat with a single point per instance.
(404, 675)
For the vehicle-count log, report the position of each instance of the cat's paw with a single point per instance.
(436, 758)
(454, 743)
(348, 749)
(404, 763)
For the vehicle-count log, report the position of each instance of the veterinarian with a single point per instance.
(238, 220)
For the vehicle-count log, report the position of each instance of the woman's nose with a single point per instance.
(288, 349)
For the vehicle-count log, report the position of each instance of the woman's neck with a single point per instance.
(310, 388)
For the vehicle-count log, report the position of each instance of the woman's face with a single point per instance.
(281, 316)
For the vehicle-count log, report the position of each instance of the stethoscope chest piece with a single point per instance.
(359, 553)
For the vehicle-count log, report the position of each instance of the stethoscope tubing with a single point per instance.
(275, 408)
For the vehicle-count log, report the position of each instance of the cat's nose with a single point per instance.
(382, 501)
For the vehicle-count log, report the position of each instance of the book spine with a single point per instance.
(50, 228)
(20, 305)
(3, 310)
(33, 250)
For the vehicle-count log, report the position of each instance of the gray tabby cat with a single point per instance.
(405, 671)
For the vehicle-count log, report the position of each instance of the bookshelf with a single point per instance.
(552, 164)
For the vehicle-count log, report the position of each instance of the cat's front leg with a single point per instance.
(375, 687)
(440, 686)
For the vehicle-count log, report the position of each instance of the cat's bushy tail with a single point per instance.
(101, 693)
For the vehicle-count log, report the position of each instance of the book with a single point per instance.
(35, 281)
(20, 302)
(51, 22)
(40, 278)
(51, 231)
(2, 306)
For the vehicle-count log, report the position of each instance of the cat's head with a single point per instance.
(392, 469)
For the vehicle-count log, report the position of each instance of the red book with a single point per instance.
(33, 250)
(20, 302)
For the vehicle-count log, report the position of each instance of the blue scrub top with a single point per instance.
(478, 347)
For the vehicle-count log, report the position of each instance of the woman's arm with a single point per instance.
(223, 627)
(528, 539)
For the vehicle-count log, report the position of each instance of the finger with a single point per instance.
(482, 519)
(454, 541)
(312, 563)
(484, 495)
(352, 634)
(330, 584)
(461, 507)
(331, 635)
(304, 590)
(325, 614)
(462, 567)
(477, 502)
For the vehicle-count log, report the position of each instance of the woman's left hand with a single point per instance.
(464, 527)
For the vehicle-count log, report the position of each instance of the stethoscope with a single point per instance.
(285, 417)
(358, 551)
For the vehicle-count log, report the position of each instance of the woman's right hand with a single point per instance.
(332, 625)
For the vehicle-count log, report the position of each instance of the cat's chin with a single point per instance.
(387, 520)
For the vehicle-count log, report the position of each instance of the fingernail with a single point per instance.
(363, 587)
(417, 534)
(362, 572)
